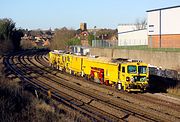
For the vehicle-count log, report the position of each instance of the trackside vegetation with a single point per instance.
(10, 36)
(19, 104)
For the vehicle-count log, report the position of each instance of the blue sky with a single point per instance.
(43, 14)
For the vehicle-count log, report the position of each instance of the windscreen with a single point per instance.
(132, 69)
(142, 69)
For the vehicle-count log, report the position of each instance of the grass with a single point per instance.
(174, 90)
(145, 47)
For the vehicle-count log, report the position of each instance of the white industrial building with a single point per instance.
(164, 27)
(129, 35)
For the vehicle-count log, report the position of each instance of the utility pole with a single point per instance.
(94, 35)
(94, 32)
(160, 26)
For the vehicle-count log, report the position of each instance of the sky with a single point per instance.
(45, 14)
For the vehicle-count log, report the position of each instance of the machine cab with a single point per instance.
(133, 76)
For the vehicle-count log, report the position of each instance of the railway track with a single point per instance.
(43, 87)
(167, 105)
(32, 68)
(142, 96)
(42, 59)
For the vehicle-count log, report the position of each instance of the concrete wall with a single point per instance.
(167, 60)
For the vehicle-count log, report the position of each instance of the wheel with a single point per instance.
(82, 74)
(60, 68)
(107, 83)
(119, 86)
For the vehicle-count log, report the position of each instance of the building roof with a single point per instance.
(132, 31)
(131, 24)
(163, 8)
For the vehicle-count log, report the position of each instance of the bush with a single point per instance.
(26, 44)
(73, 41)
(10, 37)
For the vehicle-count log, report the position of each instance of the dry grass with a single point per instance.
(19, 105)
(71, 115)
(1, 65)
(43, 106)
(174, 90)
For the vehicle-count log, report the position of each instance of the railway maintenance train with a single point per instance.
(124, 74)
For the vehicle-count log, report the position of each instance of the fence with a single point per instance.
(104, 43)
(134, 45)
(132, 42)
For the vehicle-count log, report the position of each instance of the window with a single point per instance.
(142, 69)
(151, 28)
(132, 69)
(119, 67)
(68, 59)
(123, 69)
(151, 25)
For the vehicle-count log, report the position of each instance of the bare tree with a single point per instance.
(26, 44)
(141, 24)
(61, 37)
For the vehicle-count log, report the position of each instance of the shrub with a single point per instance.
(26, 44)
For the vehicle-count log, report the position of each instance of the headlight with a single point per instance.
(128, 79)
(135, 78)
(132, 80)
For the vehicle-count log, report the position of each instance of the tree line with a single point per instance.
(10, 36)
(64, 37)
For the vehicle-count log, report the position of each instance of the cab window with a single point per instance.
(142, 69)
(67, 59)
(132, 69)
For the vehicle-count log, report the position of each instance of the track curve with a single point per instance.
(99, 102)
